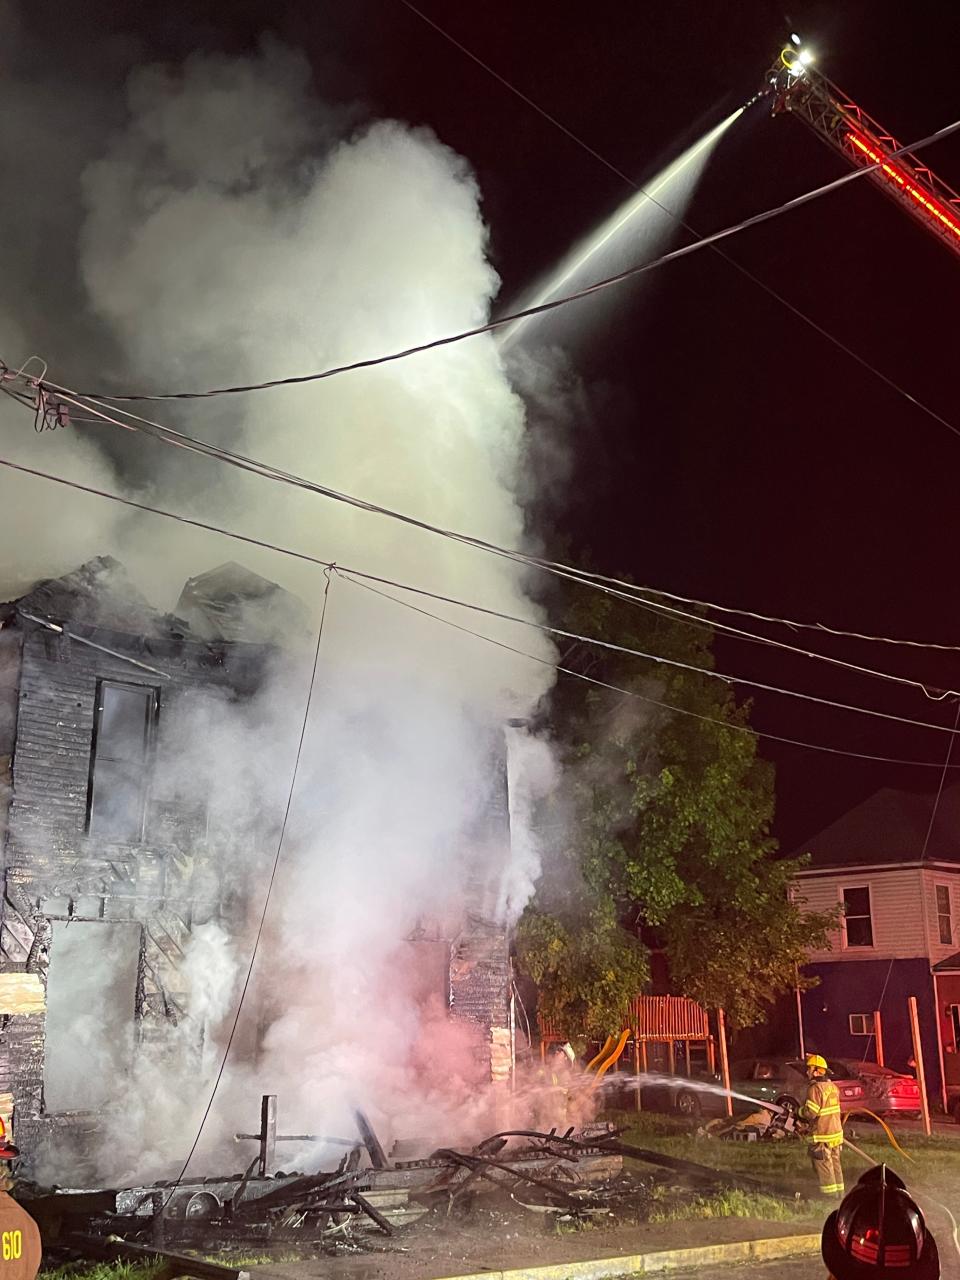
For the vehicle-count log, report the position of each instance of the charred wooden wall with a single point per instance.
(53, 870)
(480, 970)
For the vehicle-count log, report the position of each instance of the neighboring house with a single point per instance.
(896, 881)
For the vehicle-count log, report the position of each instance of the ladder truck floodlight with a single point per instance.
(796, 86)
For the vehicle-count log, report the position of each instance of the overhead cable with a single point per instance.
(712, 624)
(749, 275)
(613, 586)
(541, 308)
(659, 659)
(91, 644)
(327, 564)
(266, 899)
(632, 693)
(934, 809)
(792, 623)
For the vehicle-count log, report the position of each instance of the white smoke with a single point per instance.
(230, 235)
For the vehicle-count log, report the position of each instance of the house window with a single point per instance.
(861, 1024)
(126, 716)
(944, 917)
(954, 1014)
(857, 925)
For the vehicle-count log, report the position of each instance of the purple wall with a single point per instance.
(857, 986)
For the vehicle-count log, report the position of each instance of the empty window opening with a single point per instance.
(91, 1013)
(857, 924)
(123, 732)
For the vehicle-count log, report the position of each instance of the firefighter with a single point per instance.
(821, 1112)
(8, 1153)
(553, 1081)
(877, 1232)
(20, 1247)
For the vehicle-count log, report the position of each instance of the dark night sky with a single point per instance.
(733, 454)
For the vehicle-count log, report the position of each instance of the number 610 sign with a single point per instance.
(11, 1245)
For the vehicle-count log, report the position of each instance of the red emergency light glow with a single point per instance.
(904, 181)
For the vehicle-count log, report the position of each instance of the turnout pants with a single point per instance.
(826, 1164)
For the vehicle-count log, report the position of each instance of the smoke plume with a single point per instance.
(231, 227)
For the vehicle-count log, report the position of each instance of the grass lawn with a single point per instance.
(933, 1164)
(104, 1271)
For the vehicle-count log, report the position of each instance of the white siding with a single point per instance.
(896, 910)
(940, 950)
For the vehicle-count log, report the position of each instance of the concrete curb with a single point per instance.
(768, 1250)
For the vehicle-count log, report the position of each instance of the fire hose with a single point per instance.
(785, 1112)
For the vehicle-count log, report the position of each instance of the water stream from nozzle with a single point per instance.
(634, 228)
(640, 1080)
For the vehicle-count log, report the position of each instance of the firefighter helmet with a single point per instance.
(879, 1233)
(815, 1062)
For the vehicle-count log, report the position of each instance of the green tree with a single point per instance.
(662, 827)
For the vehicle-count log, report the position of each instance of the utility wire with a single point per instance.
(612, 586)
(768, 289)
(266, 900)
(652, 657)
(792, 623)
(691, 619)
(630, 693)
(541, 308)
(168, 435)
(604, 582)
(327, 564)
(923, 853)
(744, 271)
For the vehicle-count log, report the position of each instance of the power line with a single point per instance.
(923, 852)
(266, 899)
(792, 623)
(632, 693)
(612, 586)
(653, 657)
(540, 308)
(744, 271)
(331, 565)
(168, 435)
(657, 606)
(768, 289)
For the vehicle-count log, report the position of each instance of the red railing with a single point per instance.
(669, 1018)
(652, 1018)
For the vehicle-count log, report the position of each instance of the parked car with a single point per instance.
(887, 1092)
(780, 1081)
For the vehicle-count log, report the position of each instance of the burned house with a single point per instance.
(109, 868)
(105, 874)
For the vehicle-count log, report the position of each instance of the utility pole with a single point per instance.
(803, 1049)
(724, 1061)
(918, 1059)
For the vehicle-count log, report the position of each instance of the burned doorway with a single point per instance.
(91, 1013)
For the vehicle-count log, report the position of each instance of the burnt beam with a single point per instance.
(114, 1249)
(370, 1140)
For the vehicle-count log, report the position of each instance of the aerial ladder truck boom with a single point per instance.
(837, 120)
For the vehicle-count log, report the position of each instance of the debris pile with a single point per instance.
(368, 1198)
